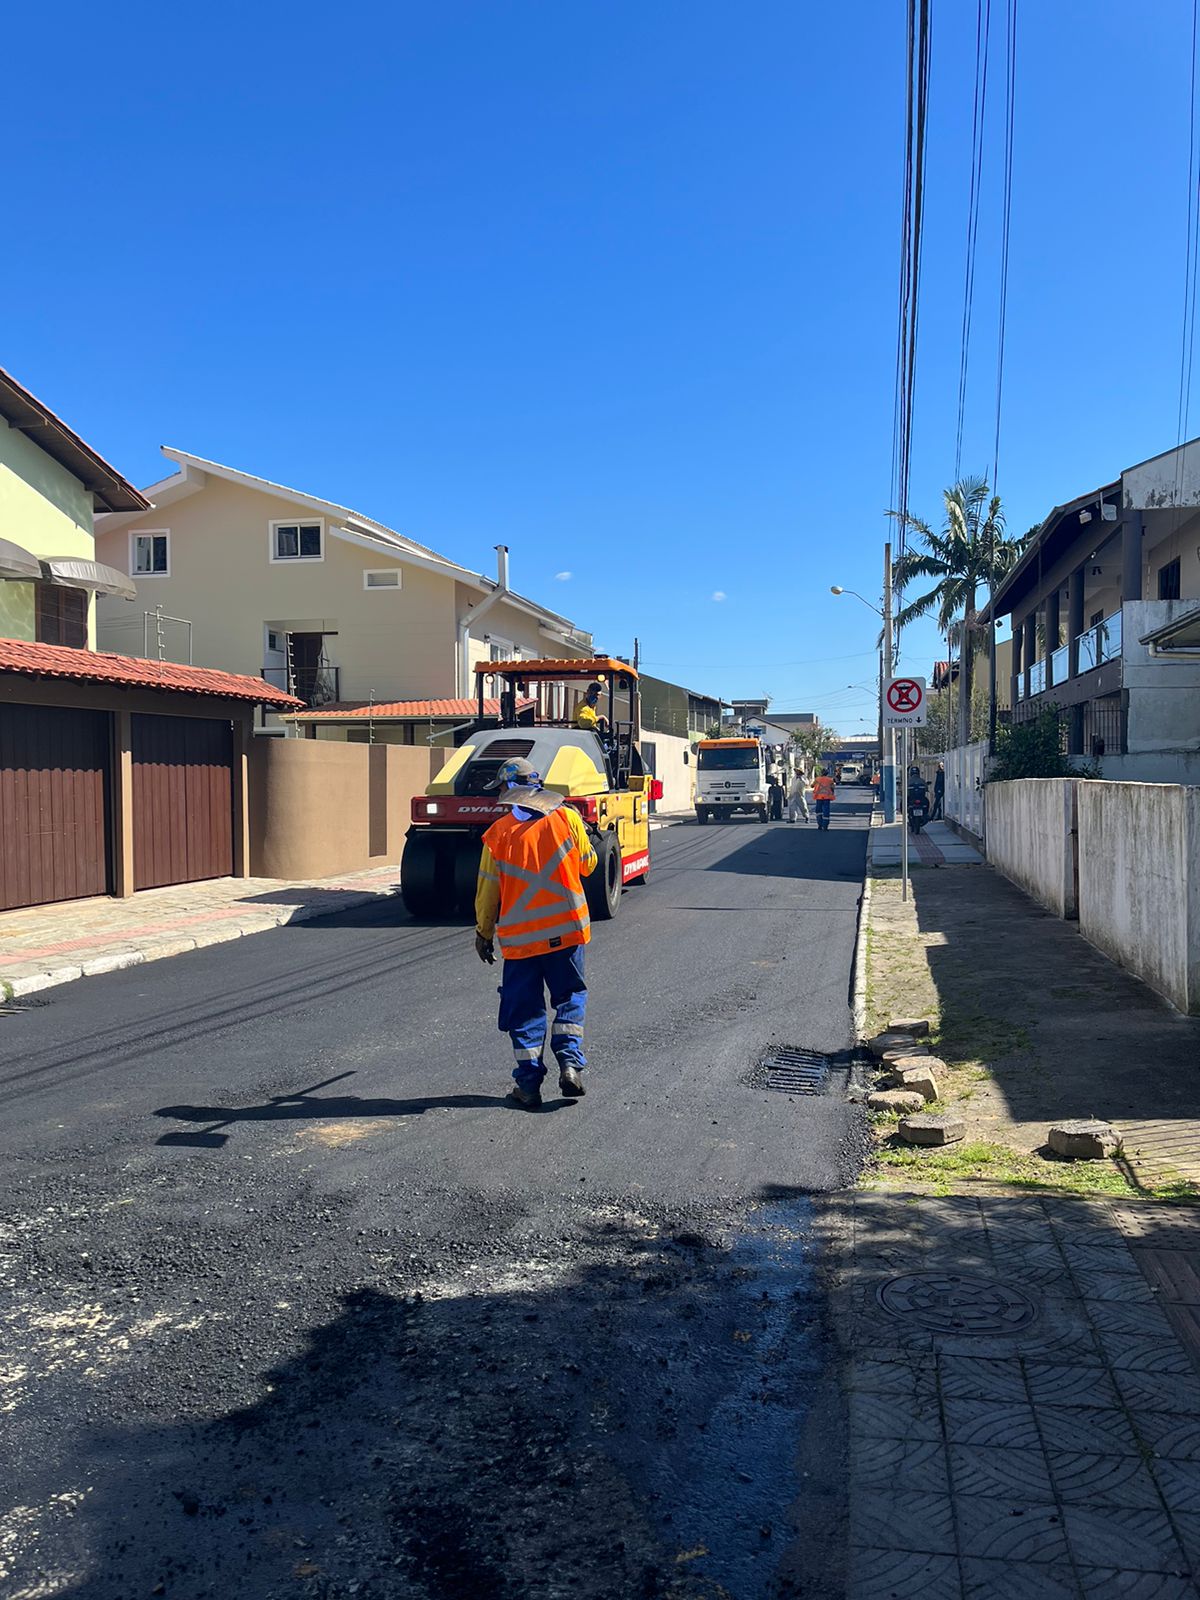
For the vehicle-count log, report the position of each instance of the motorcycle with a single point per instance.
(918, 808)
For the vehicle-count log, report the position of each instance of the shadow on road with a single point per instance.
(304, 1104)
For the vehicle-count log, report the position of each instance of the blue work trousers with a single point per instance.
(823, 808)
(523, 989)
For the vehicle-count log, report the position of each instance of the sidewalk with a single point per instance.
(41, 946)
(1023, 1389)
(937, 845)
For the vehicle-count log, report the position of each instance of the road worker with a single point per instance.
(797, 800)
(823, 793)
(586, 715)
(530, 897)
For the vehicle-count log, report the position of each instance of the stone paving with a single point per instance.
(936, 845)
(1023, 1379)
(42, 946)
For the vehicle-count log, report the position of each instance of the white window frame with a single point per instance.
(383, 588)
(294, 522)
(493, 640)
(148, 533)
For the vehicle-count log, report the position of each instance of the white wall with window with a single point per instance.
(150, 553)
(298, 541)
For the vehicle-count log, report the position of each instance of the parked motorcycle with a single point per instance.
(918, 808)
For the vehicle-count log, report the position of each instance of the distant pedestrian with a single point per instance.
(823, 793)
(797, 800)
(939, 792)
(775, 795)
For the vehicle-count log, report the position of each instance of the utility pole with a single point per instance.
(887, 735)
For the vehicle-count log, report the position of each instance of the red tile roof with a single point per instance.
(400, 709)
(94, 666)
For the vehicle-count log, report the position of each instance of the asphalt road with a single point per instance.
(295, 1303)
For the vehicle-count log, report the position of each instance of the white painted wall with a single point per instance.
(1031, 838)
(677, 776)
(1139, 882)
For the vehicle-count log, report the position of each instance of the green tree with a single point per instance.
(1032, 749)
(812, 743)
(971, 551)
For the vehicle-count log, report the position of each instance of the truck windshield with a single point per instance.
(735, 759)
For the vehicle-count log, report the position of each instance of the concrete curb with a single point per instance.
(130, 955)
(860, 960)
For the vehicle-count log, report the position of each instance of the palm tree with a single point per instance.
(971, 552)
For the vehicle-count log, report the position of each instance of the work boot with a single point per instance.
(531, 1099)
(570, 1083)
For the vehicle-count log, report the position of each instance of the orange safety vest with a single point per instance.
(823, 788)
(542, 903)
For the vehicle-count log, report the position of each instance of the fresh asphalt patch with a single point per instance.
(293, 1304)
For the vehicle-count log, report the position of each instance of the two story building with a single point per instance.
(1101, 603)
(320, 600)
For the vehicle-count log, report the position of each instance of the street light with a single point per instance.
(887, 746)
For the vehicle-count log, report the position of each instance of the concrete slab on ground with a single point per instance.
(936, 845)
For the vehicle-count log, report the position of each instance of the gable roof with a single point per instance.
(345, 523)
(24, 412)
(132, 672)
(403, 711)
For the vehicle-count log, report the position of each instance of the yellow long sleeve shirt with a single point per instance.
(587, 717)
(487, 888)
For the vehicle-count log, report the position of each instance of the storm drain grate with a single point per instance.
(791, 1071)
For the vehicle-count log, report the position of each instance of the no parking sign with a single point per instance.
(904, 704)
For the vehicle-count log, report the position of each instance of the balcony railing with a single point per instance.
(316, 686)
(1100, 643)
(1060, 664)
(1037, 677)
(1020, 686)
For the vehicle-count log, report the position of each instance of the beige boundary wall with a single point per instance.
(1031, 839)
(318, 808)
(677, 775)
(1139, 882)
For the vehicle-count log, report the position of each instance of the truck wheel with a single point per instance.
(466, 874)
(603, 888)
(763, 814)
(701, 815)
(426, 885)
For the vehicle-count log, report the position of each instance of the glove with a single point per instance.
(485, 950)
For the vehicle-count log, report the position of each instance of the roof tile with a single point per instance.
(95, 666)
(396, 709)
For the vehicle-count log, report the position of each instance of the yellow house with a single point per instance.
(51, 485)
(236, 571)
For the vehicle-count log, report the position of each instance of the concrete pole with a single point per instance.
(1053, 625)
(904, 818)
(885, 671)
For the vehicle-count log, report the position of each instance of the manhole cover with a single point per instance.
(954, 1302)
(791, 1071)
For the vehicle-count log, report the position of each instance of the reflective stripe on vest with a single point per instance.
(542, 903)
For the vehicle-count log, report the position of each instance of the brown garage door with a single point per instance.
(182, 800)
(53, 804)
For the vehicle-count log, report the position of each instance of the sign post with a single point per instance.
(904, 707)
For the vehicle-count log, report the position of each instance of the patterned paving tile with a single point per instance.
(1103, 1583)
(900, 1463)
(1180, 1484)
(1114, 1286)
(988, 1423)
(1051, 1340)
(894, 1416)
(1102, 1480)
(1177, 1438)
(1133, 1354)
(1070, 1386)
(902, 1520)
(1011, 1474)
(1004, 1530)
(1159, 1391)
(1098, 1257)
(1017, 1580)
(1187, 1526)
(968, 1378)
(902, 1575)
(1141, 1321)
(1115, 1536)
(871, 1333)
(1087, 1430)
(913, 1375)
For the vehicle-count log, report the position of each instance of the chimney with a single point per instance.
(502, 566)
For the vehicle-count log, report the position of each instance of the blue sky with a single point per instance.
(612, 283)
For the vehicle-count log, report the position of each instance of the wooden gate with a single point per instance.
(54, 766)
(182, 800)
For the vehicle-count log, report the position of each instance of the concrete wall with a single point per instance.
(676, 773)
(1030, 831)
(318, 808)
(1139, 882)
(1164, 695)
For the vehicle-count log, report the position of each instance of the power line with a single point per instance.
(1010, 109)
(1188, 339)
(983, 28)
